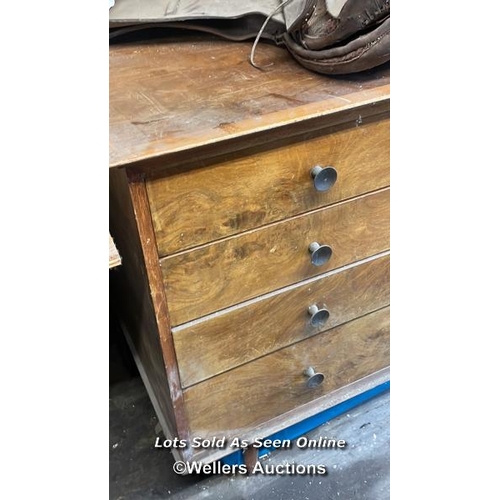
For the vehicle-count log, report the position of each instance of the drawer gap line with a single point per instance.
(287, 346)
(275, 223)
(285, 289)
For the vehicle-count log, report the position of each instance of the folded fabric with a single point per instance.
(326, 36)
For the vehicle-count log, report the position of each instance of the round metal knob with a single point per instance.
(323, 178)
(314, 379)
(319, 317)
(320, 254)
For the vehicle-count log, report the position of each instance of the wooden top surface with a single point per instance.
(192, 90)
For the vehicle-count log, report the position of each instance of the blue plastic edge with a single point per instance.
(308, 424)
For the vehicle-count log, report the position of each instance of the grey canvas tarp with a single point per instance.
(133, 11)
(328, 36)
(182, 10)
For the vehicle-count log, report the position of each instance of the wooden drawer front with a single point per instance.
(231, 338)
(230, 271)
(251, 394)
(200, 206)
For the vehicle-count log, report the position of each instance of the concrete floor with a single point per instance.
(138, 471)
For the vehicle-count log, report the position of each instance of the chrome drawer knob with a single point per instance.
(320, 254)
(314, 379)
(323, 178)
(319, 317)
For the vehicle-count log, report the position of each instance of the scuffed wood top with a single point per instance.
(176, 94)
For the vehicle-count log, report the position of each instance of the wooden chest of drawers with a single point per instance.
(253, 293)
